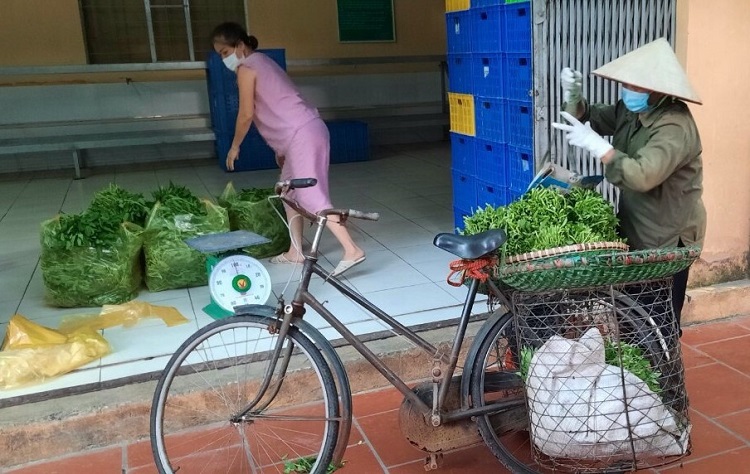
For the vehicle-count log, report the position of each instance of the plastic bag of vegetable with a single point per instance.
(88, 260)
(170, 263)
(251, 210)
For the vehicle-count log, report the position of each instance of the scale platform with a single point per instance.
(225, 241)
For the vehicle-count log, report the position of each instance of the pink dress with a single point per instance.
(293, 129)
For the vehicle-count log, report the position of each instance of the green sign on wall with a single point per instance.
(366, 20)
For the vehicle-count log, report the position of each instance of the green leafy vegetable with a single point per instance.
(545, 218)
(305, 465)
(120, 205)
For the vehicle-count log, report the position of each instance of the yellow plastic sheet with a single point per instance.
(32, 353)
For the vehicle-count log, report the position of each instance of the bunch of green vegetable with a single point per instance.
(545, 218)
(120, 204)
(251, 210)
(177, 216)
(87, 261)
(620, 354)
(93, 258)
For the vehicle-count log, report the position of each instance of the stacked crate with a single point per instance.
(489, 66)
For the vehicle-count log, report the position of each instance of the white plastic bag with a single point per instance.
(577, 405)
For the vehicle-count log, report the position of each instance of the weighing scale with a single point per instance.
(234, 278)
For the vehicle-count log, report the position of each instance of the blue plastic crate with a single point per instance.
(464, 191)
(521, 168)
(487, 74)
(491, 193)
(463, 154)
(255, 154)
(458, 217)
(491, 162)
(223, 95)
(486, 3)
(459, 32)
(519, 79)
(517, 27)
(490, 118)
(519, 119)
(487, 26)
(350, 141)
(514, 195)
(460, 73)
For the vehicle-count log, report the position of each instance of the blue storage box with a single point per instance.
(463, 154)
(491, 162)
(520, 123)
(459, 33)
(255, 154)
(350, 141)
(486, 3)
(490, 118)
(492, 194)
(487, 74)
(517, 28)
(521, 168)
(464, 191)
(487, 29)
(519, 80)
(459, 73)
(458, 217)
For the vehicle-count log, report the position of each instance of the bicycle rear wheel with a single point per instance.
(494, 379)
(216, 375)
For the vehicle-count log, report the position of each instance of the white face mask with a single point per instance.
(232, 61)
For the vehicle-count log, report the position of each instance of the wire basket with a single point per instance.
(594, 267)
(604, 378)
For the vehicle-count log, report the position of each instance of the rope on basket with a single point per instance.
(471, 269)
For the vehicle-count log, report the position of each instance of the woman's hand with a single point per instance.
(232, 156)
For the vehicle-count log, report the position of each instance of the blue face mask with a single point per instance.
(635, 101)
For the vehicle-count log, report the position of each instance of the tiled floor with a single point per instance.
(404, 274)
(718, 385)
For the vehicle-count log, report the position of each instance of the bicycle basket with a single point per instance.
(583, 270)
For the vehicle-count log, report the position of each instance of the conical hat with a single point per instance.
(653, 66)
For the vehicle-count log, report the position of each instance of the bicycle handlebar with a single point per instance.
(282, 187)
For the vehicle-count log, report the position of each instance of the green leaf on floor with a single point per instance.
(305, 465)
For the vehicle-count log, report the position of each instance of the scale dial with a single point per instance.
(238, 280)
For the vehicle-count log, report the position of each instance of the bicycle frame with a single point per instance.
(442, 378)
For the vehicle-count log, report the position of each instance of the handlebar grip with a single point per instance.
(302, 183)
(368, 216)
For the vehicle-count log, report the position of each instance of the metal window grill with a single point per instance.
(604, 377)
(585, 34)
(145, 31)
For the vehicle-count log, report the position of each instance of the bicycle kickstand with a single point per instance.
(433, 461)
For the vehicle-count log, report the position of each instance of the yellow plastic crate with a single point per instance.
(462, 113)
(455, 5)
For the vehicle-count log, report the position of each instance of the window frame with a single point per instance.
(185, 6)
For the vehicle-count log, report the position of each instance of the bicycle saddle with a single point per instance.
(470, 247)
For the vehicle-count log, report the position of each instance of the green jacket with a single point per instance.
(659, 171)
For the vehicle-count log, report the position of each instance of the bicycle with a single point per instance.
(284, 392)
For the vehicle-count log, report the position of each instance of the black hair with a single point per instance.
(232, 33)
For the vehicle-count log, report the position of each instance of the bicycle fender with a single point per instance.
(471, 355)
(256, 310)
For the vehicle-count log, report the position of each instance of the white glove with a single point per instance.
(570, 81)
(582, 136)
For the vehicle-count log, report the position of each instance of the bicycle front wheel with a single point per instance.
(212, 408)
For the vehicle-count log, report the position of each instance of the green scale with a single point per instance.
(234, 278)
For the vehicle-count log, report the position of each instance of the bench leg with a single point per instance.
(77, 163)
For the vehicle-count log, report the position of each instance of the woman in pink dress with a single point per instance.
(291, 127)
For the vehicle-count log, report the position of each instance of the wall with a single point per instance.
(713, 40)
(41, 32)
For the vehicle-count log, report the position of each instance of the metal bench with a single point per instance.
(76, 137)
